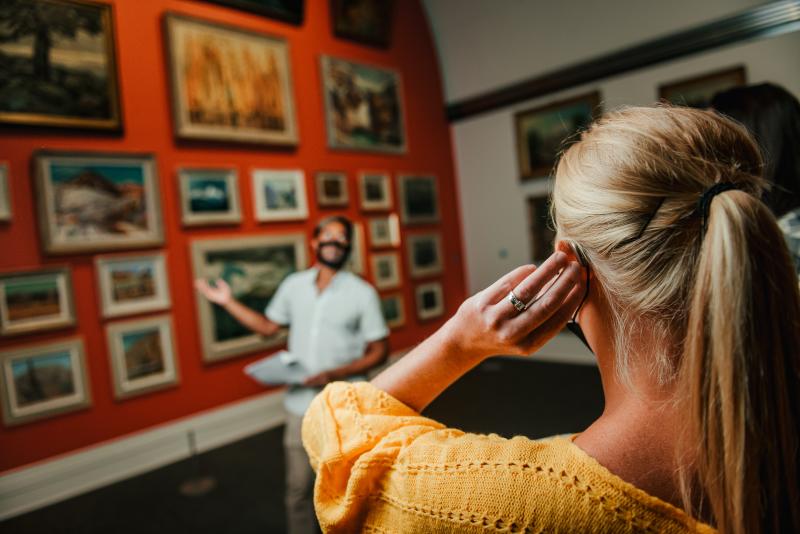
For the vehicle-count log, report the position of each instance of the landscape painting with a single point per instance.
(132, 283)
(363, 107)
(230, 84)
(253, 267)
(43, 380)
(58, 64)
(35, 301)
(90, 202)
(279, 195)
(209, 196)
(697, 91)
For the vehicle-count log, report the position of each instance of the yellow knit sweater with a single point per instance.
(383, 468)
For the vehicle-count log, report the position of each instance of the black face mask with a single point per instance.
(572, 325)
(338, 264)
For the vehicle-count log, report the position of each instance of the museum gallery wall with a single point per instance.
(123, 178)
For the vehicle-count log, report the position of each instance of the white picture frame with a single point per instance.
(424, 253)
(418, 196)
(6, 210)
(279, 195)
(375, 191)
(60, 365)
(384, 232)
(386, 270)
(209, 196)
(143, 355)
(430, 301)
(132, 283)
(332, 190)
(36, 300)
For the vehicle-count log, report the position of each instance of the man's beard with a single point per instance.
(339, 263)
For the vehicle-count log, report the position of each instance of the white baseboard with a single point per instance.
(72, 474)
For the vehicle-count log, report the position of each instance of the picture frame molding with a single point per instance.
(161, 301)
(66, 302)
(401, 321)
(396, 280)
(325, 202)
(414, 270)
(189, 218)
(393, 221)
(406, 217)
(387, 203)
(6, 204)
(261, 210)
(438, 311)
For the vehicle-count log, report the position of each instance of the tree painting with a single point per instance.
(55, 60)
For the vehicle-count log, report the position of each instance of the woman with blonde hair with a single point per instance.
(676, 276)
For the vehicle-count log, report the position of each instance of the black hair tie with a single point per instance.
(704, 204)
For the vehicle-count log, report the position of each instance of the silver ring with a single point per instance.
(518, 304)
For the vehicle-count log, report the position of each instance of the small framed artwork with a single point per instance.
(419, 199)
(43, 380)
(540, 228)
(5, 194)
(59, 67)
(384, 231)
(332, 190)
(697, 91)
(142, 355)
(363, 107)
(386, 270)
(279, 195)
(35, 301)
(393, 309)
(364, 21)
(254, 267)
(430, 301)
(290, 11)
(132, 283)
(209, 196)
(230, 84)
(376, 194)
(424, 255)
(355, 263)
(543, 131)
(90, 202)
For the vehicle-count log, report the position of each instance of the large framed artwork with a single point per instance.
(36, 300)
(132, 283)
(365, 21)
(209, 196)
(419, 199)
(543, 131)
(5, 194)
(43, 380)
(229, 84)
(424, 254)
(254, 267)
(142, 353)
(291, 11)
(279, 195)
(541, 231)
(697, 91)
(363, 106)
(90, 202)
(59, 64)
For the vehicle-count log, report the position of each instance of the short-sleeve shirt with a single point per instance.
(327, 329)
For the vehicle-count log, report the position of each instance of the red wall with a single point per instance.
(148, 128)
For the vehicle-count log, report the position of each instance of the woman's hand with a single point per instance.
(220, 293)
(488, 324)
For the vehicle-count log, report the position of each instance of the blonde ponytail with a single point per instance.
(717, 298)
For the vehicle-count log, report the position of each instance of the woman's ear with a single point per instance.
(566, 248)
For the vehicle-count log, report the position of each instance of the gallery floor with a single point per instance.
(505, 396)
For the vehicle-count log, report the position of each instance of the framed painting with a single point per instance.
(364, 21)
(419, 199)
(35, 301)
(229, 84)
(290, 11)
(430, 301)
(543, 131)
(355, 263)
(332, 190)
(254, 267)
(279, 195)
(209, 196)
(424, 255)
(384, 231)
(376, 194)
(5, 194)
(59, 65)
(142, 353)
(90, 202)
(541, 231)
(363, 107)
(43, 380)
(386, 270)
(697, 91)
(132, 283)
(393, 309)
